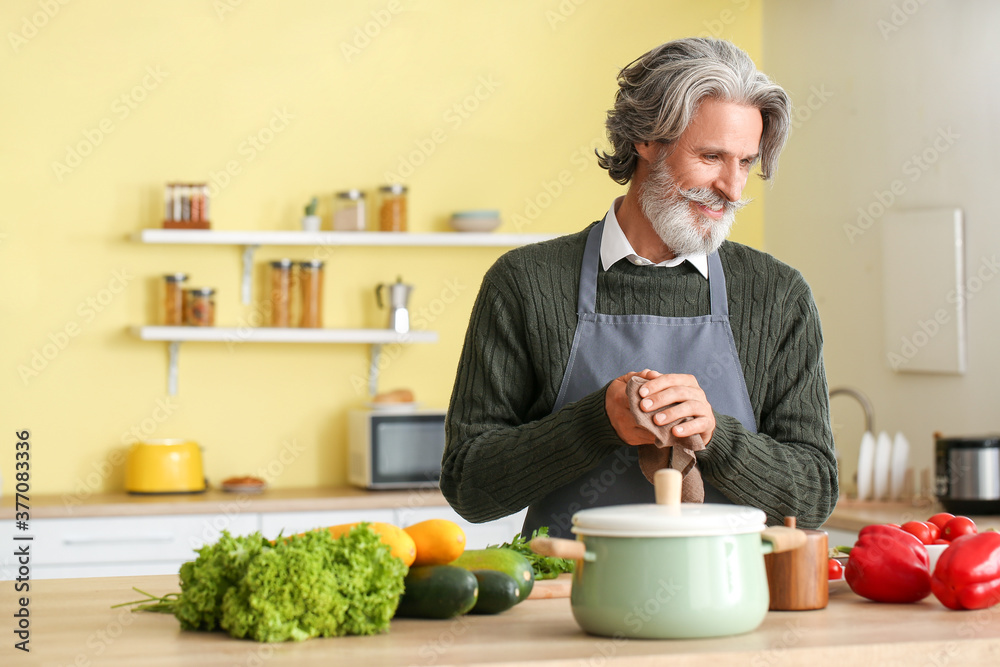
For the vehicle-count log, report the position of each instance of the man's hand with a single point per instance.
(690, 399)
(617, 406)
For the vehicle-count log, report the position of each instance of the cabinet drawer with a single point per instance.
(130, 539)
(290, 523)
(106, 570)
(477, 535)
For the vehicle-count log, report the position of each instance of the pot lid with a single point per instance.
(684, 520)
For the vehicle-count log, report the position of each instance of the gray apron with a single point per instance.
(608, 346)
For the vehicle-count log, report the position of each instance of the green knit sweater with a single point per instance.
(506, 448)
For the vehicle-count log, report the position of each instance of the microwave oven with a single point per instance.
(395, 448)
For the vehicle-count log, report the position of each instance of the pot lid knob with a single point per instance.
(668, 482)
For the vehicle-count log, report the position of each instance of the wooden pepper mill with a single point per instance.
(797, 579)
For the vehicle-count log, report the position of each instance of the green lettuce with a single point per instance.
(311, 585)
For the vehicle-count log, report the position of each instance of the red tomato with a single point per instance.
(941, 519)
(941, 541)
(918, 529)
(934, 528)
(960, 525)
(834, 570)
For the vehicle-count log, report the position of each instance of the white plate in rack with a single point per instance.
(883, 463)
(900, 462)
(866, 466)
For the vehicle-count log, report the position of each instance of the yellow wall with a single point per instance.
(199, 78)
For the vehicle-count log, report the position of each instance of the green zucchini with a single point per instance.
(437, 591)
(503, 560)
(497, 592)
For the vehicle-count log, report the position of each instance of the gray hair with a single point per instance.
(659, 93)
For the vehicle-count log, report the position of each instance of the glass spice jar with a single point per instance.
(392, 209)
(199, 307)
(281, 293)
(311, 285)
(173, 299)
(349, 211)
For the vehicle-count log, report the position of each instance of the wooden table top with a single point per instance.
(72, 623)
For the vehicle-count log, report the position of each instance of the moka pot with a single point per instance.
(398, 300)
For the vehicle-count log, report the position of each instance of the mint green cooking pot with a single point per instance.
(670, 570)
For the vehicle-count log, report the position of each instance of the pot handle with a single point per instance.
(776, 539)
(556, 547)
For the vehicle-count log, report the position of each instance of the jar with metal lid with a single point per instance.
(311, 285)
(199, 307)
(392, 208)
(173, 299)
(349, 211)
(281, 293)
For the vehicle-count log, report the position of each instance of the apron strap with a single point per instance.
(587, 296)
(717, 288)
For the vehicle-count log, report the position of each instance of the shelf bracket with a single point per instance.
(373, 369)
(174, 349)
(247, 286)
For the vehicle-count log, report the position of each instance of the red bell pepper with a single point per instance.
(967, 575)
(888, 564)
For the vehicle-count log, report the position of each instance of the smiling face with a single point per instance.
(692, 191)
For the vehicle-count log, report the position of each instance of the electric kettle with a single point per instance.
(399, 297)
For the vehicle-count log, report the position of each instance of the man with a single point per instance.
(728, 336)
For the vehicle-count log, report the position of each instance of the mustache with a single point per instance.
(714, 200)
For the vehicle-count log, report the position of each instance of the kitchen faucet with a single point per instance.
(860, 397)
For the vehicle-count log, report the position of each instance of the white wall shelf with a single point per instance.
(251, 240)
(259, 238)
(236, 335)
(281, 335)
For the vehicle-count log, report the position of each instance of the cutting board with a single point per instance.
(551, 588)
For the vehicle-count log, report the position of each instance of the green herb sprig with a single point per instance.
(545, 567)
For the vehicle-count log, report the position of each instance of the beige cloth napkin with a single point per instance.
(669, 451)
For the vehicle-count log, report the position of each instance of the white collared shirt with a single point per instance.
(615, 245)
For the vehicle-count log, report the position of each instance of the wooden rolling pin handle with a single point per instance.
(556, 547)
(668, 482)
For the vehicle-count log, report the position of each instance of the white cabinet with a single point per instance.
(120, 546)
(477, 535)
(133, 546)
(290, 523)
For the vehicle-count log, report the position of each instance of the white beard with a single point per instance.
(676, 222)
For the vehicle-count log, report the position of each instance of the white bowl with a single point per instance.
(934, 551)
(475, 221)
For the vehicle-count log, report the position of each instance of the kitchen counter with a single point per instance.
(72, 623)
(214, 501)
(849, 515)
(853, 515)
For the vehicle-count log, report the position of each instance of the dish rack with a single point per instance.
(883, 472)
